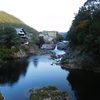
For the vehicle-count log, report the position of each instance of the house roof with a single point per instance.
(20, 31)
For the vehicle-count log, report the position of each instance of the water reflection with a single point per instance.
(11, 71)
(35, 61)
(18, 76)
(47, 74)
(86, 84)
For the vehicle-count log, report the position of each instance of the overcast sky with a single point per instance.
(43, 14)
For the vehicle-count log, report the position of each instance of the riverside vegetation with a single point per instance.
(10, 48)
(10, 42)
(84, 38)
(48, 93)
(1, 96)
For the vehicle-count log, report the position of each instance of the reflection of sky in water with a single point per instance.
(45, 74)
(40, 74)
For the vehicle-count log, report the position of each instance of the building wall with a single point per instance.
(48, 36)
(52, 34)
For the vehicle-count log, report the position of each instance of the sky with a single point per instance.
(44, 14)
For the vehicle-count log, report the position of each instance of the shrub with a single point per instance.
(5, 53)
(86, 61)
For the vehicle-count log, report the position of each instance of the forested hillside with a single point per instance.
(9, 20)
(10, 42)
(84, 33)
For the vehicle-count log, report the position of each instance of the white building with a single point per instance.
(21, 32)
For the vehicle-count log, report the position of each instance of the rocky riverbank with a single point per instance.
(73, 59)
(14, 53)
(25, 51)
(1, 96)
(60, 45)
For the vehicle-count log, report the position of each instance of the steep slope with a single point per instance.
(9, 20)
(84, 36)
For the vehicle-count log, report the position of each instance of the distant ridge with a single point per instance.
(9, 20)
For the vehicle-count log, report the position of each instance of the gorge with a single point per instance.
(20, 75)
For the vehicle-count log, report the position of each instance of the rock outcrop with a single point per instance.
(48, 93)
(25, 51)
(1, 96)
(48, 46)
(71, 59)
(62, 45)
(19, 54)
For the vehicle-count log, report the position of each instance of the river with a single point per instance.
(18, 76)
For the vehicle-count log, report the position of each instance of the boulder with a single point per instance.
(62, 45)
(20, 54)
(1, 96)
(48, 46)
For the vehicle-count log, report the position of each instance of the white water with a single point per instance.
(58, 52)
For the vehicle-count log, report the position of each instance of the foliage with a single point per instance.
(64, 60)
(84, 32)
(8, 37)
(9, 20)
(38, 40)
(82, 24)
(86, 61)
(59, 37)
(5, 53)
(9, 40)
(50, 92)
(1, 96)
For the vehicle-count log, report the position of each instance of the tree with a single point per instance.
(84, 33)
(59, 37)
(8, 37)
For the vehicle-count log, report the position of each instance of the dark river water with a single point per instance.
(18, 76)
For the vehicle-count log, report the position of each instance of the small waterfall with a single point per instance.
(55, 48)
(58, 52)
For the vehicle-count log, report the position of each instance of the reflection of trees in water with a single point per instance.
(11, 72)
(85, 84)
(35, 61)
(71, 91)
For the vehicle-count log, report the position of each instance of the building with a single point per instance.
(50, 33)
(21, 32)
(24, 36)
(48, 36)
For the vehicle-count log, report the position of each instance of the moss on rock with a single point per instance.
(48, 93)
